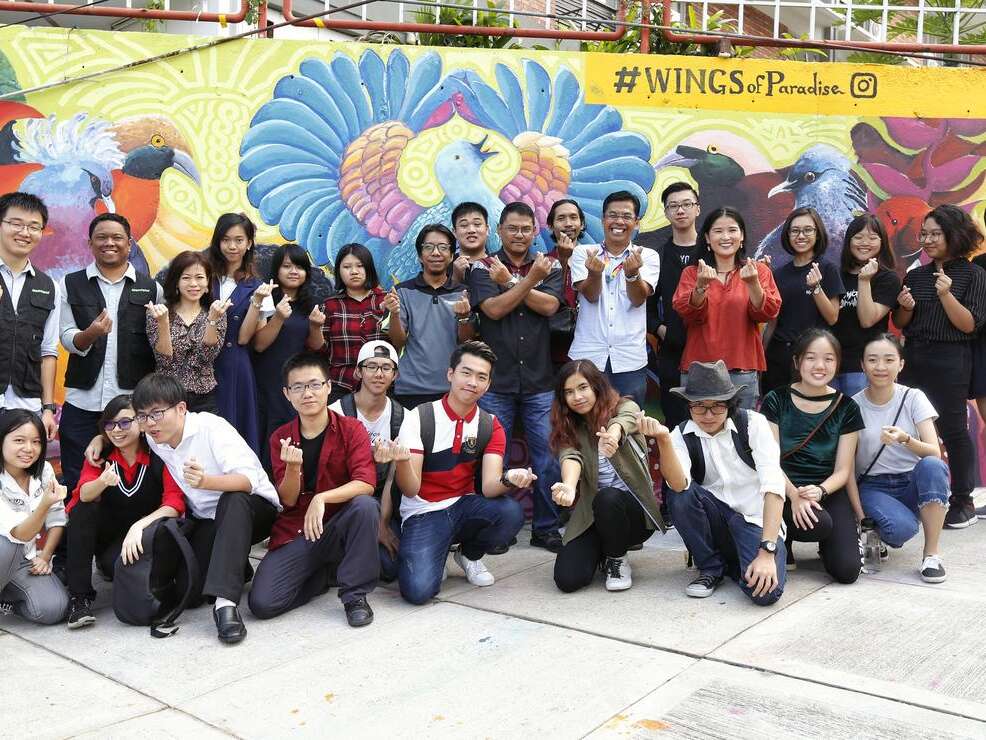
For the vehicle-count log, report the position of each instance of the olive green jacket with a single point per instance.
(630, 462)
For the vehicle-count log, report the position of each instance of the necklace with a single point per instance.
(130, 490)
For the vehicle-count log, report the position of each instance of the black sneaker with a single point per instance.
(80, 612)
(790, 564)
(703, 586)
(6, 608)
(981, 512)
(550, 540)
(358, 612)
(501, 549)
(960, 514)
(932, 571)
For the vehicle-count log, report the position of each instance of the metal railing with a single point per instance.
(127, 9)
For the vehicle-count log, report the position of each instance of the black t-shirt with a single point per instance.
(674, 259)
(311, 449)
(885, 286)
(798, 309)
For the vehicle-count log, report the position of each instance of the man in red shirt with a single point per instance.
(325, 475)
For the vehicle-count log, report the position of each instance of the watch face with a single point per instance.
(769, 546)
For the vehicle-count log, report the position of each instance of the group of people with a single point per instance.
(366, 436)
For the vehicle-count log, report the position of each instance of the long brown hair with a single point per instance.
(564, 421)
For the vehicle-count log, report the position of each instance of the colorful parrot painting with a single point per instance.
(322, 158)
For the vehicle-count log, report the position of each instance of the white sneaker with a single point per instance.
(932, 571)
(618, 574)
(475, 571)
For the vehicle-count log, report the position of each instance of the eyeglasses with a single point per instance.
(439, 248)
(114, 238)
(806, 231)
(683, 206)
(522, 230)
(154, 416)
(930, 236)
(33, 229)
(373, 368)
(122, 424)
(297, 389)
(620, 215)
(701, 409)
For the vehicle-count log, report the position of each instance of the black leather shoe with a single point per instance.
(229, 625)
(550, 540)
(501, 549)
(358, 612)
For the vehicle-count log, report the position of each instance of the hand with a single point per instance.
(869, 269)
(388, 539)
(810, 493)
(108, 477)
(521, 477)
(317, 316)
(133, 545)
(499, 274)
(263, 291)
(562, 494)
(814, 275)
(40, 565)
(541, 267)
(594, 264)
(767, 260)
(943, 283)
(193, 472)
(565, 246)
(662, 331)
(389, 451)
(706, 274)
(749, 273)
(54, 493)
(893, 435)
(218, 309)
(609, 442)
(101, 325)
(291, 455)
(761, 574)
(50, 425)
(94, 451)
(462, 307)
(803, 512)
(651, 427)
(157, 311)
(313, 519)
(392, 302)
(633, 262)
(459, 266)
(905, 300)
(283, 308)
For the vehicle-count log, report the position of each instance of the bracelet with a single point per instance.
(464, 319)
(817, 289)
(822, 489)
(632, 278)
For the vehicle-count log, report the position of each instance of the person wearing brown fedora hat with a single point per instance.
(727, 488)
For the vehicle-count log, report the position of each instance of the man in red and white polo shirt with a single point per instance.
(439, 449)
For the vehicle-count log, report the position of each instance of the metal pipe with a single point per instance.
(16, 6)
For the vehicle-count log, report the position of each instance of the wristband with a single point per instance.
(505, 481)
(632, 278)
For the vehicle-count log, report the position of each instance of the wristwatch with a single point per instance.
(769, 545)
(505, 481)
(514, 279)
(52, 407)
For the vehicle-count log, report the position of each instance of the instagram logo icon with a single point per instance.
(862, 85)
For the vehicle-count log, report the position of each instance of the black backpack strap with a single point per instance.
(483, 434)
(741, 437)
(396, 418)
(165, 625)
(426, 415)
(348, 404)
(695, 454)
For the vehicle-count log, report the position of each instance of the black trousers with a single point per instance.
(943, 371)
(294, 574)
(619, 524)
(76, 429)
(836, 535)
(221, 545)
(202, 401)
(674, 407)
(91, 534)
(780, 367)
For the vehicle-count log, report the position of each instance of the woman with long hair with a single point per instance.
(605, 478)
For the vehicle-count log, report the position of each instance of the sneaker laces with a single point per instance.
(6, 608)
(706, 580)
(614, 567)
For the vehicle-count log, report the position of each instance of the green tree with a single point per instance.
(938, 27)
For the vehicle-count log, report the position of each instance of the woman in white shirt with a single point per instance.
(900, 474)
(31, 502)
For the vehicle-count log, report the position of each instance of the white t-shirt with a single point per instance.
(894, 458)
(379, 429)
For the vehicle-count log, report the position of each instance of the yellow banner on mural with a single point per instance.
(771, 86)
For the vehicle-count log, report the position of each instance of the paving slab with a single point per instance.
(164, 724)
(447, 671)
(721, 702)
(59, 698)
(654, 612)
(890, 639)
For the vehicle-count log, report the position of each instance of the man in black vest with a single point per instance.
(110, 353)
(28, 312)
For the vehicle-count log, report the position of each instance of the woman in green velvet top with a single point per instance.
(817, 428)
(605, 478)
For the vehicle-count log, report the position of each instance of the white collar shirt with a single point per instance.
(16, 506)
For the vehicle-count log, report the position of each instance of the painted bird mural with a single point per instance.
(730, 171)
(821, 178)
(323, 158)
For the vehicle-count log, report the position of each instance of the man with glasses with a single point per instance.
(514, 322)
(429, 317)
(727, 487)
(614, 280)
(28, 312)
(324, 472)
(103, 327)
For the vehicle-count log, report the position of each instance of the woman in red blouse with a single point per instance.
(354, 315)
(722, 300)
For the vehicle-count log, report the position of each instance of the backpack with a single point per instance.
(348, 404)
(426, 413)
(135, 601)
(741, 442)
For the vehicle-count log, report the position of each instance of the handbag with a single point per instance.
(893, 424)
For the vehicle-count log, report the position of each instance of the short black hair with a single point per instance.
(304, 301)
(181, 262)
(305, 359)
(361, 253)
(621, 195)
(442, 229)
(554, 208)
(24, 201)
(469, 207)
(157, 388)
(704, 251)
(885, 257)
(115, 406)
(475, 348)
(804, 341)
(677, 187)
(891, 339)
(962, 236)
(821, 236)
(12, 419)
(114, 217)
(519, 208)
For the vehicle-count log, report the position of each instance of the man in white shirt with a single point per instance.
(231, 502)
(614, 280)
(727, 489)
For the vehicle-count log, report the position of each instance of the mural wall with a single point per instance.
(332, 143)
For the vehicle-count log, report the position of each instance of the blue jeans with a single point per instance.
(894, 501)
(748, 397)
(535, 411)
(721, 541)
(478, 523)
(849, 383)
(388, 564)
(632, 383)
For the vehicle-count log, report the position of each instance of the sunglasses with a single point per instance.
(122, 424)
